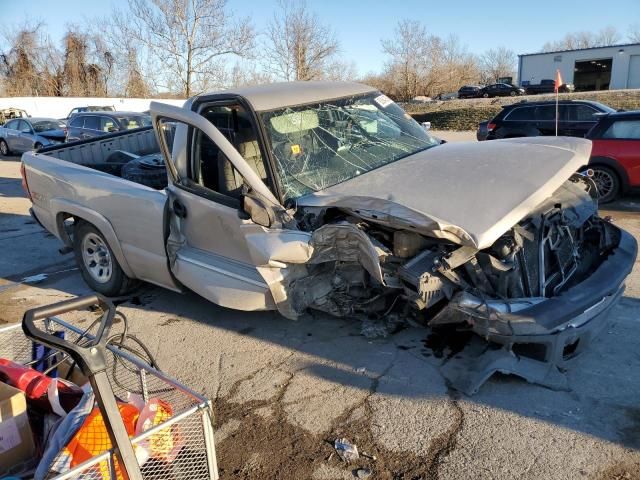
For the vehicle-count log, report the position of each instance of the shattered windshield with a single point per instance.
(319, 145)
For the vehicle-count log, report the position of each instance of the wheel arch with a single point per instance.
(615, 166)
(65, 210)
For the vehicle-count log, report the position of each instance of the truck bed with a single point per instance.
(72, 180)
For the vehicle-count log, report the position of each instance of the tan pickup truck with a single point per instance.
(329, 196)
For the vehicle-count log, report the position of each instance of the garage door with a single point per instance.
(634, 72)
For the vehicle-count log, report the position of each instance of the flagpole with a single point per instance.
(556, 112)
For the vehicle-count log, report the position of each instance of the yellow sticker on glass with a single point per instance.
(295, 149)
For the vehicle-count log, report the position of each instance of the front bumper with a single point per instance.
(537, 342)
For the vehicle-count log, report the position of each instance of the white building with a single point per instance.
(600, 68)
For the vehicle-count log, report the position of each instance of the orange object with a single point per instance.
(93, 439)
(558, 83)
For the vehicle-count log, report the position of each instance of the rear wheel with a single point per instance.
(4, 148)
(98, 265)
(607, 182)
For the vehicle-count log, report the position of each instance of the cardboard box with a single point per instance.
(16, 440)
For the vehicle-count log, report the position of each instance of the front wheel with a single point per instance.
(485, 95)
(98, 265)
(4, 148)
(512, 93)
(607, 182)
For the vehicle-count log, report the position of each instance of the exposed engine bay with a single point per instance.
(554, 248)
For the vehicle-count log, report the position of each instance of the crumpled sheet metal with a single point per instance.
(282, 258)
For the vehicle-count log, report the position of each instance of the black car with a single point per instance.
(94, 124)
(469, 91)
(501, 90)
(532, 119)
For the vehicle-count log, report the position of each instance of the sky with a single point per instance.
(360, 25)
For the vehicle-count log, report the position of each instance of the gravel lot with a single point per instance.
(283, 390)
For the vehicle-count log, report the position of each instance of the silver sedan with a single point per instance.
(24, 134)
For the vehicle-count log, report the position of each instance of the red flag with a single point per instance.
(558, 81)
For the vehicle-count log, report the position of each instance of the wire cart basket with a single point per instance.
(185, 437)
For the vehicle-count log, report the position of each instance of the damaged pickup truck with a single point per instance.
(327, 196)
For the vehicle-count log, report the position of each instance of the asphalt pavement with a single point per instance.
(283, 390)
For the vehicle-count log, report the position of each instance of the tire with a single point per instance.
(134, 171)
(4, 148)
(485, 95)
(607, 182)
(37, 146)
(98, 265)
(512, 93)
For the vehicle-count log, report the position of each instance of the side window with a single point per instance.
(210, 167)
(624, 129)
(545, 113)
(92, 122)
(24, 127)
(12, 125)
(76, 122)
(520, 114)
(108, 124)
(580, 113)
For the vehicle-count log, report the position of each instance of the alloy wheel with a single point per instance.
(97, 258)
(604, 182)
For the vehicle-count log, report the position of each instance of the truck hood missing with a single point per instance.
(468, 193)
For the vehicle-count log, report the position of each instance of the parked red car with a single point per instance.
(615, 157)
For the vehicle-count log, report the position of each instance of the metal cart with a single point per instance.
(115, 374)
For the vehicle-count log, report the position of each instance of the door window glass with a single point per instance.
(24, 127)
(520, 113)
(545, 113)
(92, 122)
(108, 124)
(626, 129)
(211, 168)
(76, 122)
(12, 125)
(580, 113)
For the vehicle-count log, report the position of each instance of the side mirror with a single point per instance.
(258, 211)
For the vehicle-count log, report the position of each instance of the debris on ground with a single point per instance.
(347, 451)
(381, 327)
(362, 473)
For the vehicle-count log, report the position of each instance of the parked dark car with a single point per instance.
(24, 134)
(615, 155)
(91, 108)
(469, 91)
(93, 124)
(547, 85)
(500, 90)
(532, 119)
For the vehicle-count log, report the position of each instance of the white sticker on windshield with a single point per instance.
(383, 101)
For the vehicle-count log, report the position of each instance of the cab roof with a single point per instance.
(287, 94)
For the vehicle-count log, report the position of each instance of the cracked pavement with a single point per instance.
(284, 390)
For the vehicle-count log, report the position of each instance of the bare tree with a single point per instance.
(496, 63)
(412, 52)
(633, 33)
(298, 46)
(184, 39)
(571, 41)
(31, 64)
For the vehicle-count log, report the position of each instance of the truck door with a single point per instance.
(207, 245)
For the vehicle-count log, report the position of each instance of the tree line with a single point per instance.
(184, 47)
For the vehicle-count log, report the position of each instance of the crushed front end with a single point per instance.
(535, 298)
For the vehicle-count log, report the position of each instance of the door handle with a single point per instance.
(179, 209)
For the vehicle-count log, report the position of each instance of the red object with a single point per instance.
(626, 153)
(558, 81)
(25, 186)
(35, 385)
(491, 126)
